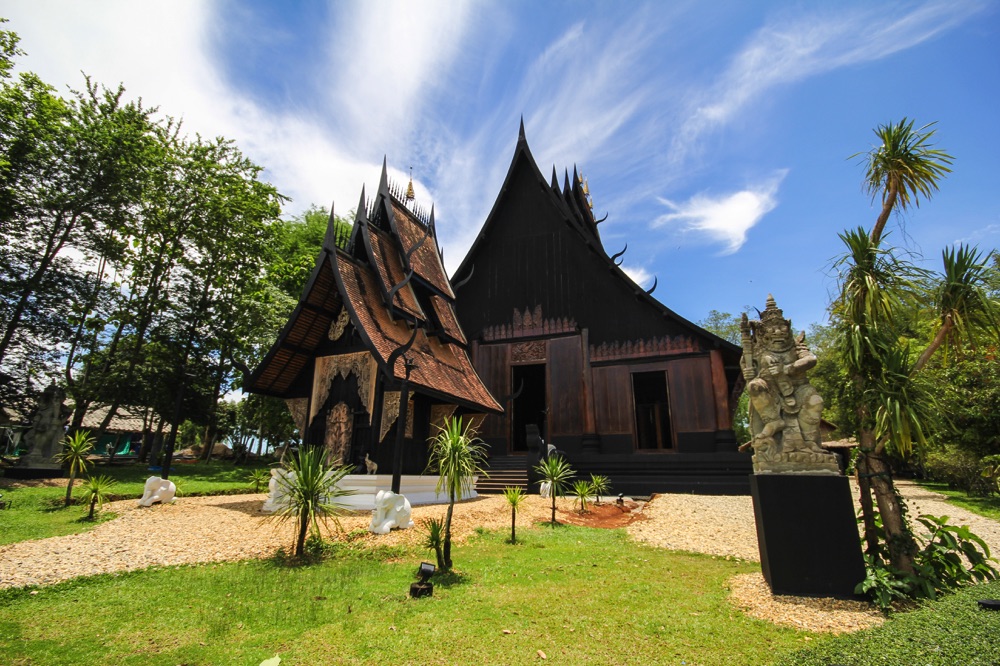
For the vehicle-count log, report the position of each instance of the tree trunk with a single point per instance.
(447, 530)
(69, 487)
(300, 543)
(887, 205)
(93, 503)
(935, 344)
(553, 491)
(898, 539)
(513, 525)
(863, 470)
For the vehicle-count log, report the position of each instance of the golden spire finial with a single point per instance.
(410, 196)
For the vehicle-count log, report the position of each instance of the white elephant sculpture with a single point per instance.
(545, 489)
(392, 511)
(158, 490)
(277, 487)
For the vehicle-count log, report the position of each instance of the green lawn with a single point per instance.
(38, 512)
(949, 632)
(988, 507)
(581, 596)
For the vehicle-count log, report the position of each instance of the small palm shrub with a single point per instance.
(76, 448)
(311, 492)
(581, 491)
(259, 477)
(599, 485)
(515, 497)
(557, 472)
(434, 539)
(96, 490)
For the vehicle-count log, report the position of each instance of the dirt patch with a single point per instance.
(607, 515)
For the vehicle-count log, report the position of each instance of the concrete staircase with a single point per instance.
(504, 471)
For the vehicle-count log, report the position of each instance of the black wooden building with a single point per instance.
(335, 361)
(569, 343)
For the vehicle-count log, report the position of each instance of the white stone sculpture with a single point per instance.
(277, 490)
(158, 490)
(545, 489)
(392, 511)
(370, 465)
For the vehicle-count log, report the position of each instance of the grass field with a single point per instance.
(988, 507)
(581, 596)
(38, 512)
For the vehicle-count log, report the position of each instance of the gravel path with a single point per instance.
(212, 529)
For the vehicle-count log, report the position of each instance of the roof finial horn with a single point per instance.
(410, 196)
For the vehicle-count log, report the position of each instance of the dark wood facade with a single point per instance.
(568, 342)
(373, 314)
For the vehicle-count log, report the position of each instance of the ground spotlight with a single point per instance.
(424, 588)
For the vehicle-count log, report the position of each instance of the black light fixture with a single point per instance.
(424, 588)
(621, 499)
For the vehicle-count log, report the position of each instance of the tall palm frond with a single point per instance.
(962, 301)
(904, 409)
(76, 448)
(902, 167)
(876, 285)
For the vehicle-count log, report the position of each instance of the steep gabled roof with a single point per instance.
(360, 279)
(569, 209)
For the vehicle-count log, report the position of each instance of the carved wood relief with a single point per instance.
(529, 323)
(523, 352)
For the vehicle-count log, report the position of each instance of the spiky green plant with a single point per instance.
(259, 477)
(96, 490)
(457, 457)
(434, 538)
(515, 496)
(599, 485)
(557, 472)
(581, 491)
(76, 448)
(311, 492)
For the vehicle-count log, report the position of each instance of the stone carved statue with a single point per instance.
(371, 467)
(392, 511)
(43, 440)
(158, 490)
(785, 410)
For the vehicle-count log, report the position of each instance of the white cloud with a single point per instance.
(723, 219)
(788, 51)
(639, 275)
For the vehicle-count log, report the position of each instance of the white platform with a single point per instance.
(417, 489)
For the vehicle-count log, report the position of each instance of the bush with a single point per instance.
(959, 469)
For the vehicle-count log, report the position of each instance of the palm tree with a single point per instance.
(311, 491)
(515, 497)
(877, 289)
(259, 477)
(76, 448)
(557, 472)
(458, 458)
(96, 491)
(902, 167)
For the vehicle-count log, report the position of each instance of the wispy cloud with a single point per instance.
(724, 219)
(639, 274)
(790, 50)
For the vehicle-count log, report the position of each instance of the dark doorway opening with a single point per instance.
(652, 412)
(530, 406)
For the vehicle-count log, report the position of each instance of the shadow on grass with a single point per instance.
(447, 579)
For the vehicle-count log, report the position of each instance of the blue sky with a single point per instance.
(715, 136)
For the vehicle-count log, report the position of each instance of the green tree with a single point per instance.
(878, 290)
(457, 457)
(515, 497)
(555, 471)
(311, 490)
(76, 448)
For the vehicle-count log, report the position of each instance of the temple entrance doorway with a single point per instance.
(530, 406)
(652, 412)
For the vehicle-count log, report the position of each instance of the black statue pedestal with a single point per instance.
(807, 534)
